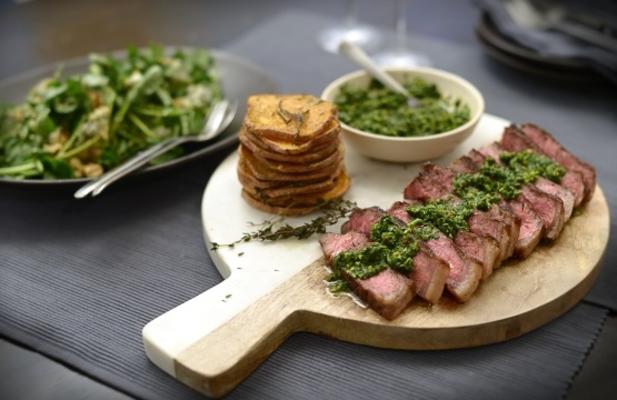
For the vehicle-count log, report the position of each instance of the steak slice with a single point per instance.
(502, 211)
(388, 292)
(432, 182)
(560, 192)
(482, 249)
(361, 220)
(429, 274)
(531, 230)
(542, 199)
(513, 139)
(548, 207)
(464, 275)
(483, 224)
(465, 165)
(549, 146)
(573, 181)
(398, 210)
(493, 151)
(334, 243)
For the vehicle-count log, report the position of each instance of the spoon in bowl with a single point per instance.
(355, 54)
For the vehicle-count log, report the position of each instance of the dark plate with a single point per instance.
(537, 68)
(511, 53)
(239, 78)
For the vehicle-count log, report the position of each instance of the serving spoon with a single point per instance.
(355, 54)
(219, 119)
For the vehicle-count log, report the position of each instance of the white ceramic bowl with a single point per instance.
(419, 148)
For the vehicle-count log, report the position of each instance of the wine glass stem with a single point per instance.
(400, 23)
(351, 12)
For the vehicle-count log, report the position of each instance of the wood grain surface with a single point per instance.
(519, 297)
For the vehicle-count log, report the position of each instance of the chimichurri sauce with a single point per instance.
(379, 110)
(394, 243)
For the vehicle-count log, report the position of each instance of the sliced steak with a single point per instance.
(484, 224)
(548, 207)
(334, 243)
(429, 184)
(573, 181)
(493, 151)
(476, 156)
(429, 274)
(513, 139)
(437, 181)
(531, 230)
(388, 292)
(464, 275)
(482, 249)
(361, 220)
(398, 210)
(549, 146)
(558, 191)
(464, 165)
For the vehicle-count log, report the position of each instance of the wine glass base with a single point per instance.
(401, 58)
(361, 35)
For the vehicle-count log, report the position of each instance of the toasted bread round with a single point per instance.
(295, 118)
(261, 151)
(282, 147)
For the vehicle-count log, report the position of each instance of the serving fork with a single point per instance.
(218, 120)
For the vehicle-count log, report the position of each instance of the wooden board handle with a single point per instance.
(219, 361)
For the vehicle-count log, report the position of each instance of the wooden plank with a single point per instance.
(517, 298)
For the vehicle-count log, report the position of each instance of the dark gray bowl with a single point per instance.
(239, 78)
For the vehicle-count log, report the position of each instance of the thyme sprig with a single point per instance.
(277, 229)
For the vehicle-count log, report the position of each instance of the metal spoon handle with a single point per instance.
(357, 55)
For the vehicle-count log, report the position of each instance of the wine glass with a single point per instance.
(398, 54)
(351, 30)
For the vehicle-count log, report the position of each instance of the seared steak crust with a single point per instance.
(547, 144)
(333, 243)
(362, 219)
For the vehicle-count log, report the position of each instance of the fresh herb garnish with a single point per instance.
(394, 245)
(272, 230)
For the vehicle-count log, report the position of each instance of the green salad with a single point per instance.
(84, 125)
(379, 110)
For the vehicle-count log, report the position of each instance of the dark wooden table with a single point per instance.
(40, 32)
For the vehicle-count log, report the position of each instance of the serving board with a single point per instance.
(271, 290)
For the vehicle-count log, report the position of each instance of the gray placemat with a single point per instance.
(78, 280)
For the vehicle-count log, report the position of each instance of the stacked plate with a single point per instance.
(515, 55)
(291, 156)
